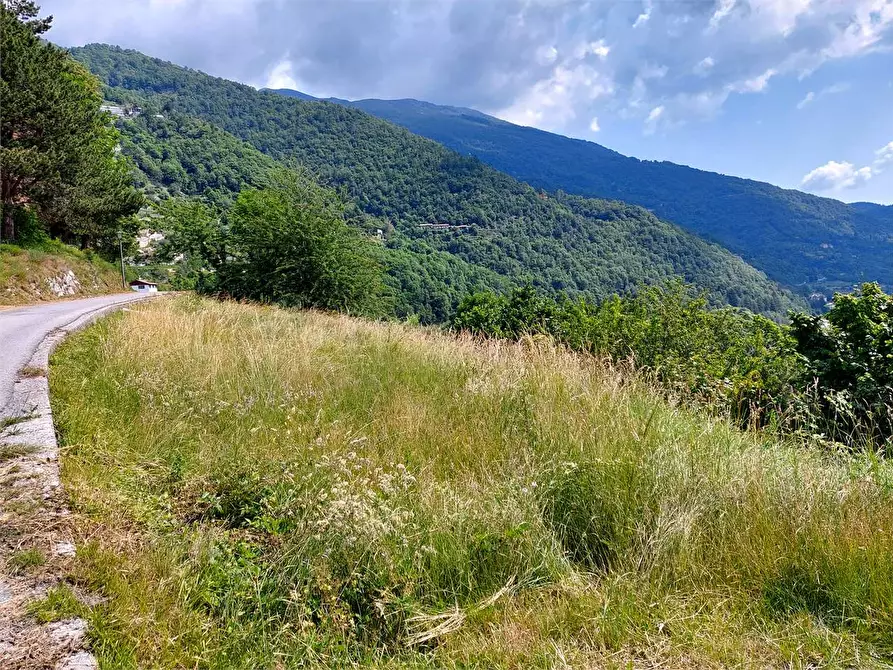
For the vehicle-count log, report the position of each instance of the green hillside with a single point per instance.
(798, 239)
(407, 182)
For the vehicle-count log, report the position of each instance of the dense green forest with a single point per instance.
(592, 248)
(801, 240)
(178, 155)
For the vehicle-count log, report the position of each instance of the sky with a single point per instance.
(798, 93)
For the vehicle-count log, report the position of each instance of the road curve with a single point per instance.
(22, 329)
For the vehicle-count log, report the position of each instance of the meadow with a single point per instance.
(255, 487)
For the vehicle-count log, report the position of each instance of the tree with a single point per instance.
(26, 11)
(57, 149)
(288, 243)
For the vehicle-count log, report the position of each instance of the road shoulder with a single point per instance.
(34, 519)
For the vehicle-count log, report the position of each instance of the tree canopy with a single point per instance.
(58, 151)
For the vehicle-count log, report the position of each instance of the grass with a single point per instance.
(25, 560)
(58, 604)
(7, 422)
(261, 488)
(10, 452)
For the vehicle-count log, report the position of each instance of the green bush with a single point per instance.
(849, 364)
(287, 243)
(741, 361)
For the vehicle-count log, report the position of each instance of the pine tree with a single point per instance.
(57, 148)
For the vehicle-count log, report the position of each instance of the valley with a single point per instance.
(401, 181)
(806, 242)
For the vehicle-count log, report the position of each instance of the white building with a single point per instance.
(143, 286)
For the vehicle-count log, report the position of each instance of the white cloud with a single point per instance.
(597, 48)
(654, 116)
(723, 9)
(704, 66)
(550, 104)
(281, 77)
(754, 84)
(593, 125)
(834, 89)
(834, 176)
(808, 98)
(548, 63)
(884, 155)
(546, 55)
(642, 18)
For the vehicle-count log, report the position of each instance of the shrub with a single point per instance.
(287, 243)
(849, 360)
(730, 358)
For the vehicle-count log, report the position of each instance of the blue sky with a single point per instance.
(795, 92)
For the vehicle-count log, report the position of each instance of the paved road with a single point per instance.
(23, 328)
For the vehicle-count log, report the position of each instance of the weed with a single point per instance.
(7, 422)
(59, 603)
(9, 452)
(25, 560)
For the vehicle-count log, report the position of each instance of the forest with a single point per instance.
(806, 242)
(406, 182)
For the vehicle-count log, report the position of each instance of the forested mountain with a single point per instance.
(175, 154)
(798, 239)
(481, 216)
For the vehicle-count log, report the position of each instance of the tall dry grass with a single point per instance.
(268, 488)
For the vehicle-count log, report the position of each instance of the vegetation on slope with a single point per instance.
(798, 239)
(264, 488)
(51, 271)
(177, 155)
(826, 379)
(408, 181)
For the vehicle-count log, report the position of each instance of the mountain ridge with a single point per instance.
(802, 240)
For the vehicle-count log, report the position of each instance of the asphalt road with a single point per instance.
(22, 329)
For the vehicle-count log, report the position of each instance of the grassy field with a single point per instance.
(31, 275)
(260, 488)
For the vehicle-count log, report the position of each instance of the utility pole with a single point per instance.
(121, 250)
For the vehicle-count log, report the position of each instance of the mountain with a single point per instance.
(798, 239)
(426, 195)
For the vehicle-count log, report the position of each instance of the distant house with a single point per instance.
(115, 110)
(121, 111)
(143, 286)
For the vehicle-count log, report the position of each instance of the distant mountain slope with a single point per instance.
(177, 155)
(482, 216)
(798, 239)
